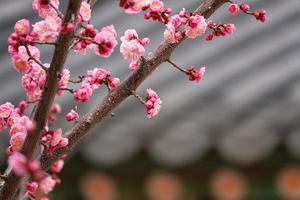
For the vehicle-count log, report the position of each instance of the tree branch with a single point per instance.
(58, 60)
(118, 95)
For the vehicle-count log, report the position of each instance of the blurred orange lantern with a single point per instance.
(163, 186)
(227, 184)
(96, 186)
(288, 183)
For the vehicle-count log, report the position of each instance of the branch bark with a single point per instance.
(12, 182)
(115, 97)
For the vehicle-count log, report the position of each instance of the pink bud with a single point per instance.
(234, 9)
(245, 7)
(209, 37)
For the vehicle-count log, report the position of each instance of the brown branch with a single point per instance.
(118, 95)
(41, 114)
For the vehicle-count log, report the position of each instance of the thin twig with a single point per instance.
(35, 60)
(57, 11)
(177, 67)
(138, 97)
(66, 89)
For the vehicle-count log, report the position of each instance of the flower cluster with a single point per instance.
(219, 30)
(39, 179)
(92, 81)
(53, 140)
(152, 103)
(194, 74)
(72, 115)
(102, 42)
(259, 15)
(132, 47)
(10, 116)
(157, 11)
(63, 80)
(193, 26)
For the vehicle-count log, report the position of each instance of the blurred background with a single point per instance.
(233, 136)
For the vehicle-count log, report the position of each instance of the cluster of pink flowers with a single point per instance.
(92, 81)
(102, 42)
(194, 74)
(194, 26)
(219, 30)
(152, 103)
(72, 115)
(234, 9)
(132, 48)
(39, 179)
(33, 82)
(63, 80)
(157, 12)
(53, 140)
(10, 116)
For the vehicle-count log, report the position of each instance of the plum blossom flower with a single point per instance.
(171, 34)
(132, 48)
(85, 11)
(196, 26)
(88, 33)
(53, 140)
(106, 41)
(84, 93)
(152, 103)
(31, 187)
(16, 141)
(33, 82)
(22, 27)
(43, 7)
(18, 163)
(6, 109)
(47, 30)
(134, 6)
(47, 184)
(20, 59)
(57, 166)
(194, 74)
(233, 8)
(113, 82)
(72, 115)
(63, 81)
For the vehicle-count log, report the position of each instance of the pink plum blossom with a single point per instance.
(132, 48)
(194, 74)
(47, 184)
(47, 30)
(18, 162)
(57, 166)
(233, 8)
(85, 11)
(43, 8)
(84, 93)
(152, 103)
(72, 115)
(22, 27)
(196, 26)
(106, 41)
(16, 141)
(63, 81)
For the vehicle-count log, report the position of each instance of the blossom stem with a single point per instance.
(177, 67)
(66, 89)
(57, 11)
(138, 96)
(77, 81)
(35, 60)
